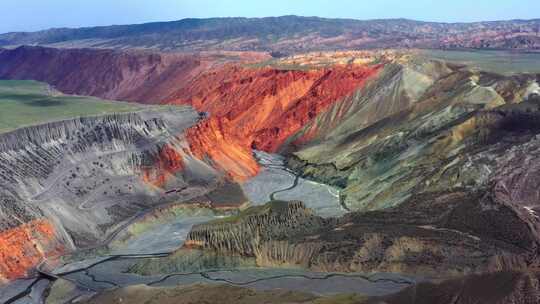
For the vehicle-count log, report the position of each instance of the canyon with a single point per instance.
(379, 173)
(260, 109)
(157, 156)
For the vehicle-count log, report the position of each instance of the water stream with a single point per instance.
(275, 182)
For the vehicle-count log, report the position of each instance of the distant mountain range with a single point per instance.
(289, 34)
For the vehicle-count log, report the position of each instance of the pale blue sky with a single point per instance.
(30, 15)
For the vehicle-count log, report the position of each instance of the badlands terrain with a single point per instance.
(218, 166)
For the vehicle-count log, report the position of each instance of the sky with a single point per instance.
(32, 15)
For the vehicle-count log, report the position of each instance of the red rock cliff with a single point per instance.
(140, 76)
(260, 109)
(24, 247)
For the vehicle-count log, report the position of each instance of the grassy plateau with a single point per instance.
(25, 102)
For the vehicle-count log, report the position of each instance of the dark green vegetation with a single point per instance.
(24, 103)
(290, 34)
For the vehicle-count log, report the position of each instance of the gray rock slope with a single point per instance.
(86, 175)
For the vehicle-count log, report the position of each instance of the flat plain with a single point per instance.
(26, 102)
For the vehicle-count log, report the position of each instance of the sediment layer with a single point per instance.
(73, 184)
(260, 108)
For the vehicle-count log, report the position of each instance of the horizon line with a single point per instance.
(267, 17)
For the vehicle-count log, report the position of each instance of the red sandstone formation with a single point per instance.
(25, 246)
(140, 76)
(250, 108)
(169, 161)
(212, 139)
(260, 109)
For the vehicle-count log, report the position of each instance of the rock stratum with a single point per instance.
(230, 91)
(434, 164)
(424, 236)
(72, 184)
(154, 156)
(140, 76)
(260, 109)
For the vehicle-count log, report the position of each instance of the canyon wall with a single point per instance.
(25, 246)
(436, 159)
(249, 106)
(420, 127)
(82, 176)
(141, 76)
(260, 108)
(73, 184)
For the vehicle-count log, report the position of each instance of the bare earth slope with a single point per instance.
(72, 184)
(140, 76)
(260, 108)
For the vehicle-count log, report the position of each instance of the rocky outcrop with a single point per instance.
(441, 234)
(260, 108)
(26, 245)
(210, 140)
(441, 128)
(245, 233)
(168, 162)
(73, 184)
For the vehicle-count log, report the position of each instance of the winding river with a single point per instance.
(275, 182)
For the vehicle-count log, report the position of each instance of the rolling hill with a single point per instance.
(289, 34)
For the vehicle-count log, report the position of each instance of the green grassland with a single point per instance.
(500, 62)
(24, 103)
